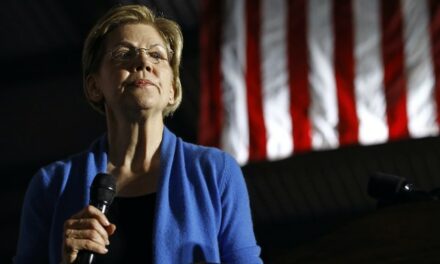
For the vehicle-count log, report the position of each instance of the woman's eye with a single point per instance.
(156, 55)
(122, 54)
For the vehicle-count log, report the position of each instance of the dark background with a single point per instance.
(44, 115)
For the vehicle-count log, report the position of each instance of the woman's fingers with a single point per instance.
(110, 229)
(75, 245)
(73, 226)
(92, 212)
(71, 248)
(89, 230)
(86, 234)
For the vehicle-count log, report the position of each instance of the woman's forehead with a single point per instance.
(136, 34)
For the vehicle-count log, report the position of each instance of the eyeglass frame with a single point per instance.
(137, 51)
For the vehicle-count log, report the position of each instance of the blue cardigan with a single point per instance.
(202, 208)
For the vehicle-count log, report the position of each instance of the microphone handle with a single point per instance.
(85, 257)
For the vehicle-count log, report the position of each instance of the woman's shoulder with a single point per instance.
(59, 169)
(54, 174)
(212, 162)
(206, 154)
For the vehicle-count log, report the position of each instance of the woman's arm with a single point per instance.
(236, 238)
(36, 215)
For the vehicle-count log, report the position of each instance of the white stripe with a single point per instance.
(421, 106)
(276, 95)
(235, 134)
(324, 107)
(369, 90)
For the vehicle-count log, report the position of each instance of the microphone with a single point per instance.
(390, 189)
(102, 192)
(386, 186)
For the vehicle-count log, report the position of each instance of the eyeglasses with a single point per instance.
(155, 53)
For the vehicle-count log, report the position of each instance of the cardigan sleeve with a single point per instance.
(236, 238)
(33, 240)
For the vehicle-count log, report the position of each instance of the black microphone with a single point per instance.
(385, 186)
(390, 189)
(102, 192)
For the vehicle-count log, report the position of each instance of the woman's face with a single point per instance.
(135, 76)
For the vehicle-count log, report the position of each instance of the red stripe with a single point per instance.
(394, 74)
(348, 126)
(211, 109)
(298, 64)
(434, 8)
(257, 130)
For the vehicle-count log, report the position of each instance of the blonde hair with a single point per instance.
(132, 14)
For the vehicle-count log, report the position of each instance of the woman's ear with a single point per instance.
(171, 99)
(93, 91)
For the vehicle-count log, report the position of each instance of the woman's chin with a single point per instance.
(142, 112)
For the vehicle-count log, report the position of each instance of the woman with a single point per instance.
(176, 202)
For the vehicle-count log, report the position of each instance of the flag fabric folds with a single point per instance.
(280, 77)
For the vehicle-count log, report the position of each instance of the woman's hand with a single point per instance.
(89, 230)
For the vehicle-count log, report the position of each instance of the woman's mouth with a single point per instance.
(143, 83)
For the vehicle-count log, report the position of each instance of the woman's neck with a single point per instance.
(133, 144)
(134, 152)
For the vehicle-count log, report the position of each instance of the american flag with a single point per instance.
(280, 77)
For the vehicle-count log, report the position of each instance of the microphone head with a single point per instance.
(384, 186)
(103, 189)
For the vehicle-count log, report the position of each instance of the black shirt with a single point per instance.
(132, 240)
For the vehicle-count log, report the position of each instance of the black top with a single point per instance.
(132, 240)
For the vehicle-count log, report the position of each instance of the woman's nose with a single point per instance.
(143, 62)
